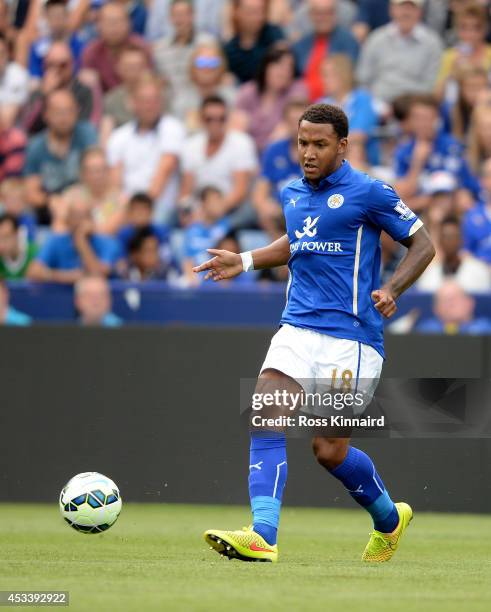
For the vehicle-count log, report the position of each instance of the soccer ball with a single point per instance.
(90, 502)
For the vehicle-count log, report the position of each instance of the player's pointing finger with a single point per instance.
(204, 266)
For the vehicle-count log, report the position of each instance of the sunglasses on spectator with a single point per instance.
(202, 61)
(217, 119)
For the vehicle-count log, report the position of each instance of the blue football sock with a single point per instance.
(359, 476)
(267, 478)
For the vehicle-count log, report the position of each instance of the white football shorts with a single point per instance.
(317, 360)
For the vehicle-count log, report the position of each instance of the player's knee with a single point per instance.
(329, 452)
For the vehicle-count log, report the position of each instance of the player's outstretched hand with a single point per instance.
(223, 265)
(384, 302)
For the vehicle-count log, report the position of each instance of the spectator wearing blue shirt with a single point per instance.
(53, 156)
(93, 302)
(149, 260)
(453, 312)
(56, 14)
(476, 225)
(279, 166)
(428, 149)
(139, 215)
(205, 232)
(66, 257)
(8, 314)
(359, 106)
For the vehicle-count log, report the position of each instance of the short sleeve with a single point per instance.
(115, 147)
(468, 233)
(108, 250)
(190, 154)
(32, 164)
(388, 212)
(401, 166)
(46, 255)
(35, 62)
(89, 134)
(244, 156)
(171, 136)
(364, 118)
(267, 165)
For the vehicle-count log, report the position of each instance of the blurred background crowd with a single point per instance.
(135, 134)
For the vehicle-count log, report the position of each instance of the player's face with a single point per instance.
(320, 150)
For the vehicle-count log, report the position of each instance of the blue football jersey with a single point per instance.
(334, 233)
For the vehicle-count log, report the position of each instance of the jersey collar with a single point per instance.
(332, 179)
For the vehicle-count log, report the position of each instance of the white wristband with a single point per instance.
(247, 262)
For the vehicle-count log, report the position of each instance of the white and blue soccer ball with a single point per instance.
(90, 502)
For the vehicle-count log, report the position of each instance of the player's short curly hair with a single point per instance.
(327, 113)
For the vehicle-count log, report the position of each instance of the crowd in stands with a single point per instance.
(136, 134)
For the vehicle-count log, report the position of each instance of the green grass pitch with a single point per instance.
(154, 558)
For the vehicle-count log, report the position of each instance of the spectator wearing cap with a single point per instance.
(144, 154)
(471, 274)
(402, 56)
(220, 158)
(14, 86)
(327, 37)
(440, 187)
(428, 150)
(252, 38)
(261, 103)
(16, 250)
(100, 57)
(453, 311)
(8, 314)
(67, 256)
(476, 224)
(57, 19)
(59, 73)
(53, 155)
(93, 302)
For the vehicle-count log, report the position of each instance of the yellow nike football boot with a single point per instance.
(382, 546)
(245, 545)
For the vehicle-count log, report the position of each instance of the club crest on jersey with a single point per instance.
(405, 213)
(335, 201)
